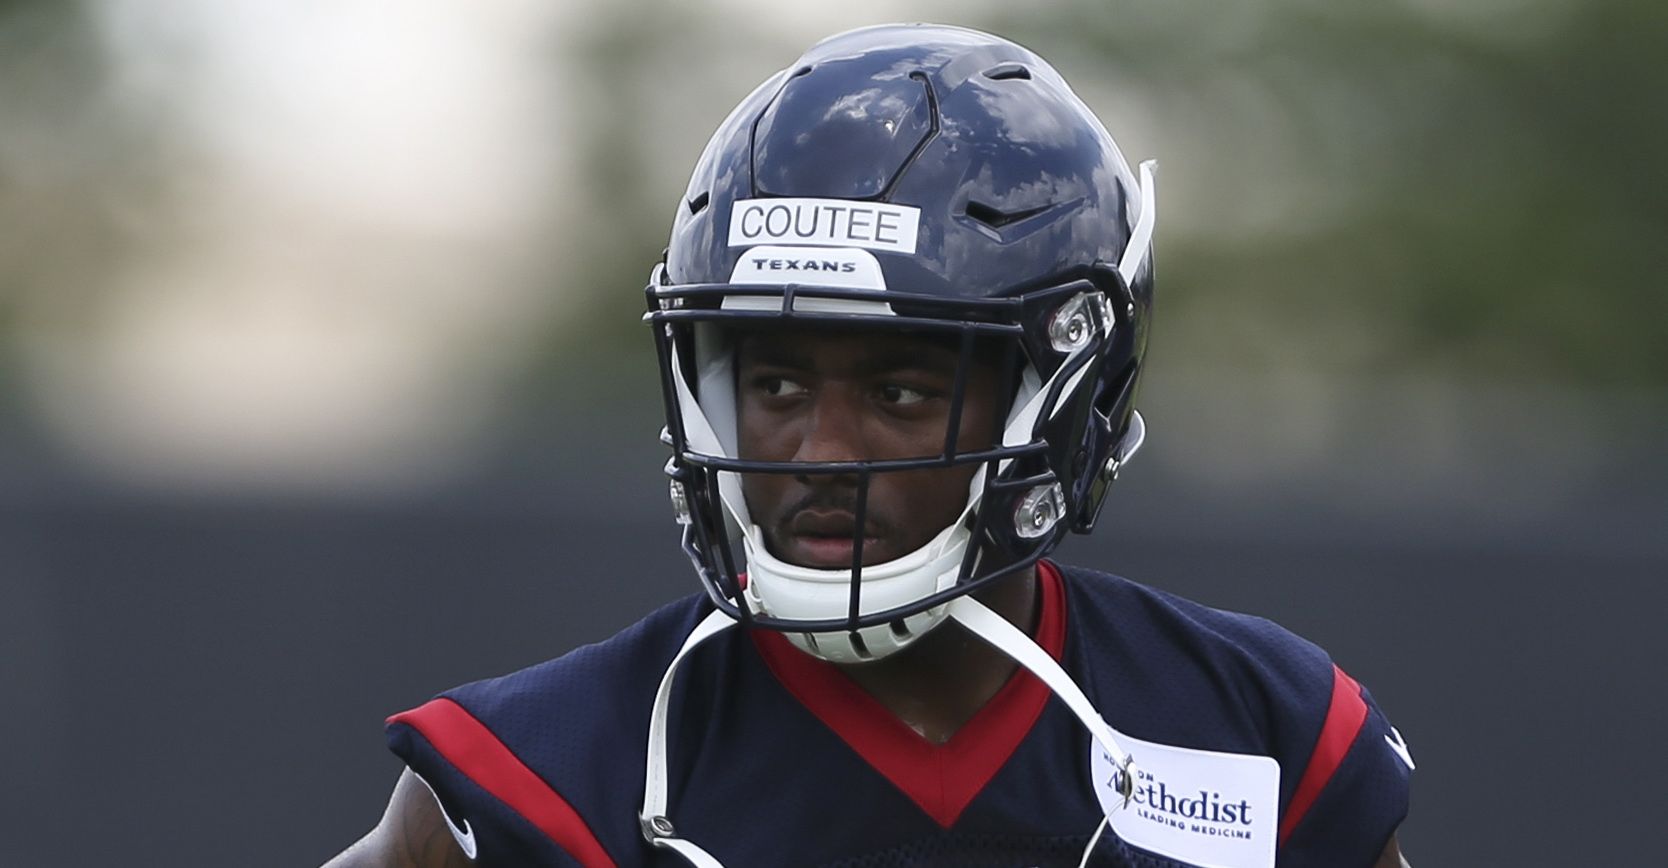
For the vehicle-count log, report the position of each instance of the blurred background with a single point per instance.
(322, 387)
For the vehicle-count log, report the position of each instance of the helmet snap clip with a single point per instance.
(1039, 510)
(1078, 322)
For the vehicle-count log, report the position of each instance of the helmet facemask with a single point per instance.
(1044, 348)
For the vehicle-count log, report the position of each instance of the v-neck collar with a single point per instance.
(941, 779)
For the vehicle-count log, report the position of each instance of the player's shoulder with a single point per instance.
(1209, 659)
(1224, 681)
(1112, 600)
(560, 737)
(596, 678)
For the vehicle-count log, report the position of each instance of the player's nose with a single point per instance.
(833, 427)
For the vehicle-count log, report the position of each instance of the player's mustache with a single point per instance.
(833, 500)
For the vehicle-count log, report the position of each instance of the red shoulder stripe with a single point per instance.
(468, 745)
(1344, 720)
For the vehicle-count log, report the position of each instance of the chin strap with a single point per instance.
(656, 828)
(1012, 641)
(970, 613)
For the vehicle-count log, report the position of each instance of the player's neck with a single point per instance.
(938, 684)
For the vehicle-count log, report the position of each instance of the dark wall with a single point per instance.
(202, 681)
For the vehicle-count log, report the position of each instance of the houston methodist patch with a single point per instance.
(1205, 808)
(824, 222)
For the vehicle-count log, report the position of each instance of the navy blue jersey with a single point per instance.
(778, 759)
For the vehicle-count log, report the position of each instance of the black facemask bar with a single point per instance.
(1018, 322)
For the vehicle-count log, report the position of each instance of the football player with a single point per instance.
(900, 325)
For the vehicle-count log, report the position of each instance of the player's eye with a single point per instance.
(778, 387)
(896, 394)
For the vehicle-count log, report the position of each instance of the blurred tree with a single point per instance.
(650, 80)
(1467, 188)
(1458, 188)
(73, 166)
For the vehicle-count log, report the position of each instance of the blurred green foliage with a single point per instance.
(72, 165)
(1468, 189)
(1458, 188)
(1507, 164)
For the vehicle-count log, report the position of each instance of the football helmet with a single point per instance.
(931, 180)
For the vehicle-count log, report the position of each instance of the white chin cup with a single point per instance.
(778, 589)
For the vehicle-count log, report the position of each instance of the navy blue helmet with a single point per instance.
(924, 179)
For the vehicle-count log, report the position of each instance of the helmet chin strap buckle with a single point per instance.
(656, 827)
(1110, 471)
(1131, 442)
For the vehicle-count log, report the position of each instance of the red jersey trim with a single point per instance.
(468, 745)
(1344, 719)
(941, 779)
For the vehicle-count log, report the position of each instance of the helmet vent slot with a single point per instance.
(1008, 71)
(699, 203)
(996, 218)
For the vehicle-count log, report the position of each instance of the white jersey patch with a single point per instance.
(824, 223)
(1206, 808)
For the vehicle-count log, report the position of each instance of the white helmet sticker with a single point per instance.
(846, 268)
(825, 223)
(838, 267)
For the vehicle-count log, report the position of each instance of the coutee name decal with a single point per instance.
(824, 222)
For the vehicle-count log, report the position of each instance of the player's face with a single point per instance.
(854, 396)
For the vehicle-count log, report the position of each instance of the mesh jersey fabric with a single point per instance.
(546, 765)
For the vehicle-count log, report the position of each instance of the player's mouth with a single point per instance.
(831, 552)
(828, 540)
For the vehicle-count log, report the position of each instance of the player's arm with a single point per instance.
(412, 834)
(1392, 856)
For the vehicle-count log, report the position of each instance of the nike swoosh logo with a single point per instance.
(464, 836)
(1399, 745)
